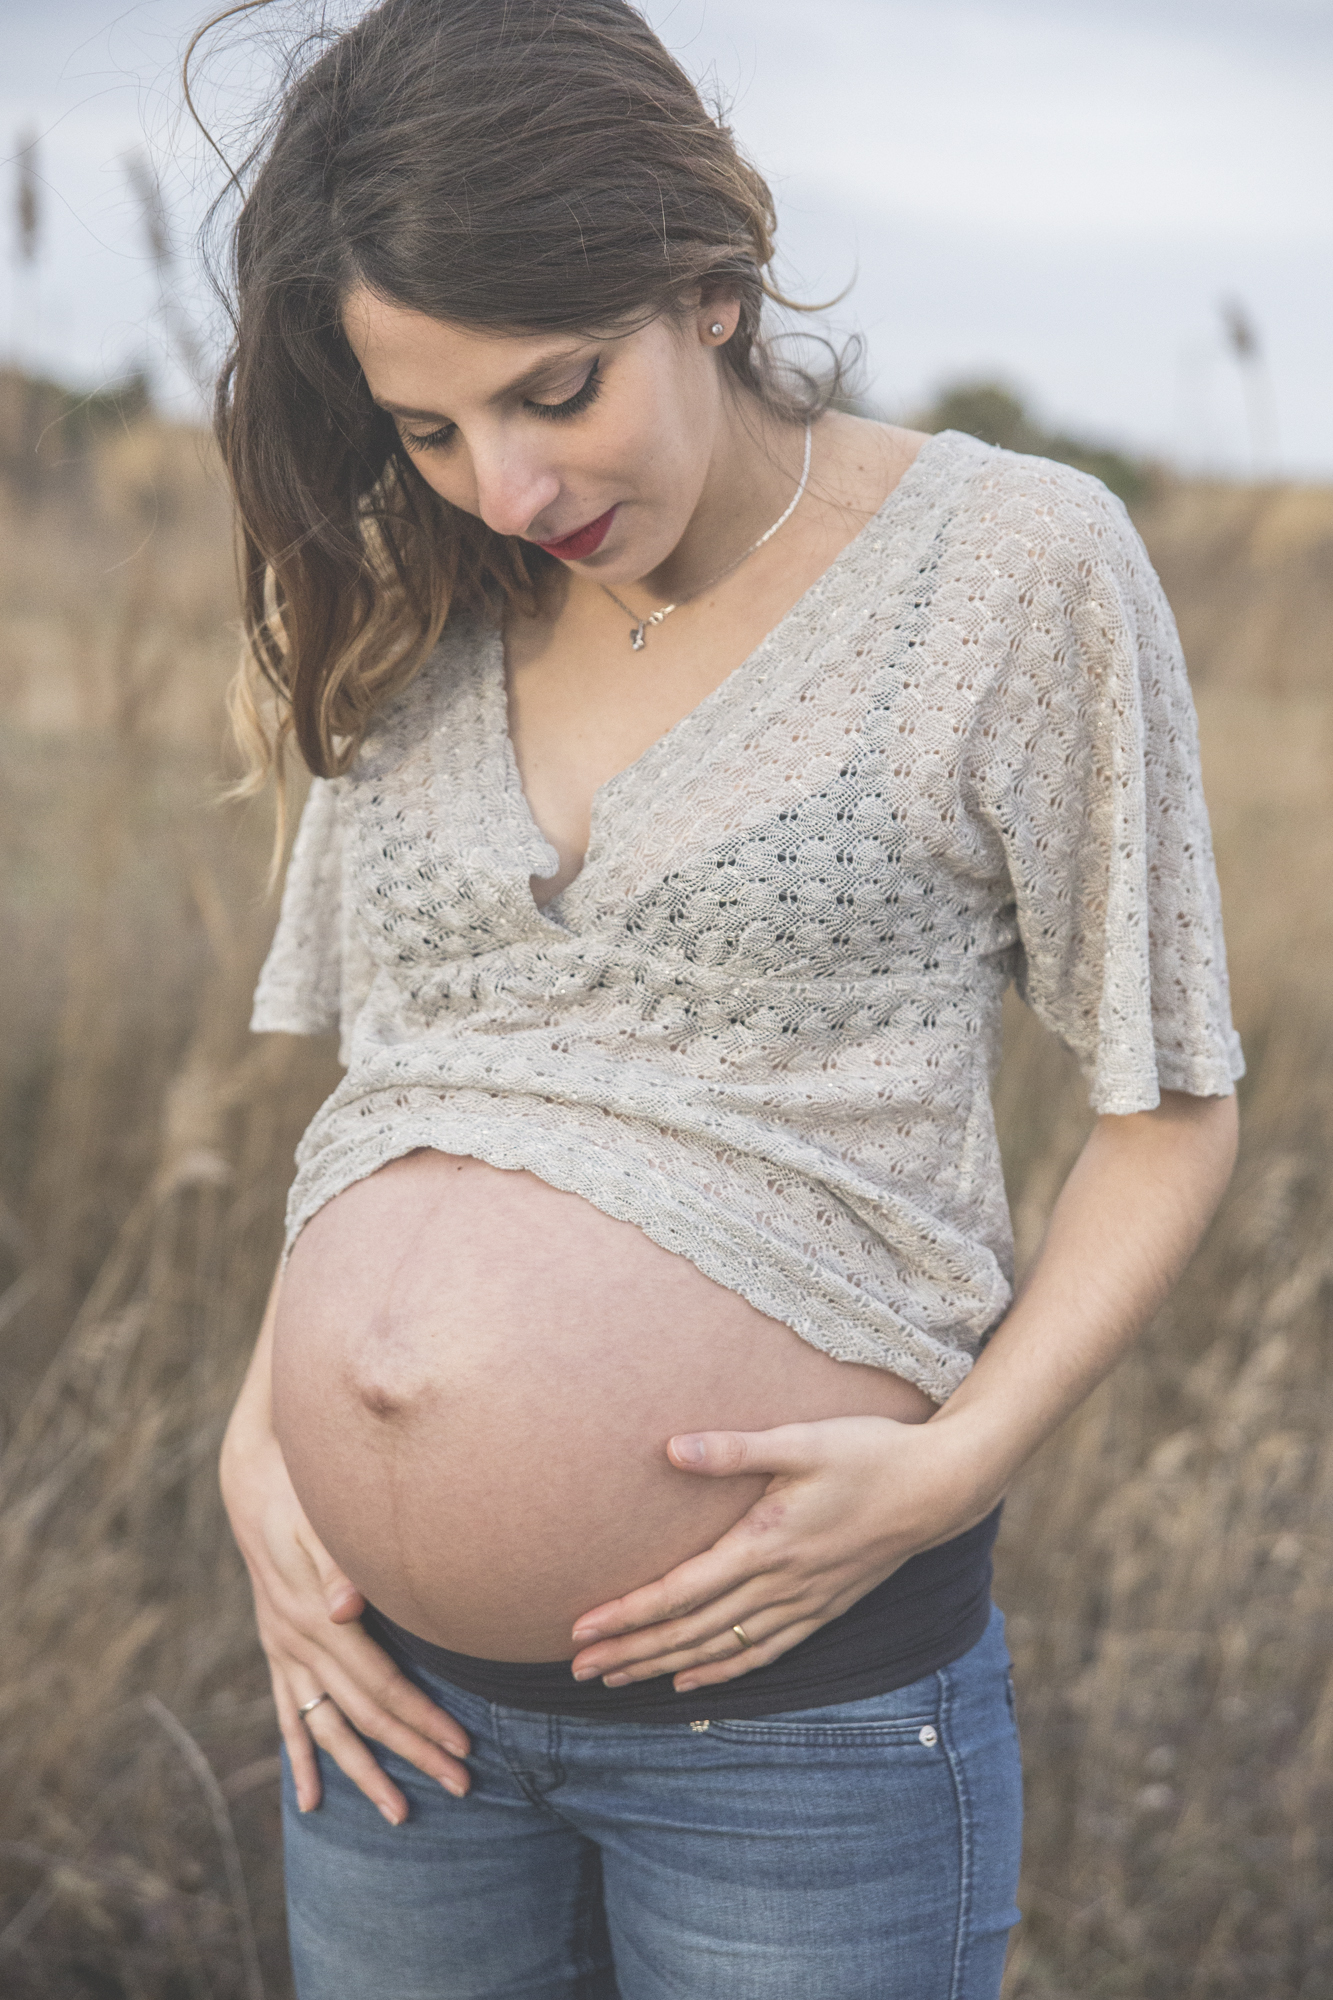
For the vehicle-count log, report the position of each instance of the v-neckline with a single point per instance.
(494, 669)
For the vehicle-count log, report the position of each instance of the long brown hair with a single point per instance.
(536, 165)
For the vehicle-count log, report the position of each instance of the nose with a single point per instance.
(513, 489)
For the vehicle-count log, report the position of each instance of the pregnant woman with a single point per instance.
(694, 767)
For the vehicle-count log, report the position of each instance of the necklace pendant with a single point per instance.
(638, 632)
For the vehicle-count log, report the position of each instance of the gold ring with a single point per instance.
(742, 1635)
(306, 1706)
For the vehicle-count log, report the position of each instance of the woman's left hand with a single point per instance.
(850, 1499)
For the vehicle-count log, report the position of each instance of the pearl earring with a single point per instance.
(717, 329)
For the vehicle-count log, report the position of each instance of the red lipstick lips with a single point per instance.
(584, 541)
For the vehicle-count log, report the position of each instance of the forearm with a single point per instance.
(1126, 1223)
(252, 1415)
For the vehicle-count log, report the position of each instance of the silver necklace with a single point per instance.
(639, 629)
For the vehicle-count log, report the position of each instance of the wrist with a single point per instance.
(249, 1433)
(246, 1443)
(977, 1451)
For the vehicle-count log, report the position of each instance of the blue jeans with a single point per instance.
(866, 1851)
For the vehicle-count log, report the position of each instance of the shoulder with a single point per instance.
(861, 460)
(984, 508)
(1042, 552)
(1012, 507)
(1042, 600)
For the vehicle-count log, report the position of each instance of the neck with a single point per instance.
(753, 471)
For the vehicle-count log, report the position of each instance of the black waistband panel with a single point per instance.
(927, 1614)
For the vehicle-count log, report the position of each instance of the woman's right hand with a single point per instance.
(309, 1625)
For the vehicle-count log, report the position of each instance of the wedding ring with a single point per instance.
(742, 1635)
(306, 1706)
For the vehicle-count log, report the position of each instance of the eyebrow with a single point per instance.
(527, 380)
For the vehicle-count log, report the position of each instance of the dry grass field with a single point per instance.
(1167, 1563)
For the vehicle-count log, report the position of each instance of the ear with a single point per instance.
(718, 317)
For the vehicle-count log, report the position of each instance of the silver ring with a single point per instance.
(306, 1706)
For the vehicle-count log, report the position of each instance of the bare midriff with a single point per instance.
(475, 1376)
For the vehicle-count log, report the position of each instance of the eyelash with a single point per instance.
(582, 399)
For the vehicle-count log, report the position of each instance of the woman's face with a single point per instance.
(597, 449)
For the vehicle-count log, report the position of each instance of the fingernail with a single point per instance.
(585, 1673)
(393, 1818)
(584, 1634)
(458, 1791)
(692, 1449)
(615, 1680)
(686, 1687)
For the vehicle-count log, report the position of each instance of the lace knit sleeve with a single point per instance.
(1084, 761)
(317, 973)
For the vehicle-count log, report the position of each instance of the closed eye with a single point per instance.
(432, 441)
(580, 400)
(583, 398)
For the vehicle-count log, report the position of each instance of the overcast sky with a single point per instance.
(1055, 192)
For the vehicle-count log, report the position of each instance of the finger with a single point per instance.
(368, 1686)
(726, 1646)
(741, 1555)
(745, 1662)
(759, 1613)
(365, 1707)
(427, 1757)
(300, 1750)
(661, 1649)
(789, 1448)
(382, 1684)
(379, 1701)
(725, 1658)
(338, 1740)
(344, 1600)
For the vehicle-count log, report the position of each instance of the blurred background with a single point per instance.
(1121, 207)
(1101, 232)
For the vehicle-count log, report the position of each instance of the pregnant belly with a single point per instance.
(474, 1380)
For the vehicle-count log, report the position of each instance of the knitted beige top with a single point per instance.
(762, 1022)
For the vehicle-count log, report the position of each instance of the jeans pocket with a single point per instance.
(916, 1733)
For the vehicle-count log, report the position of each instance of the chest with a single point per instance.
(774, 831)
(583, 704)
